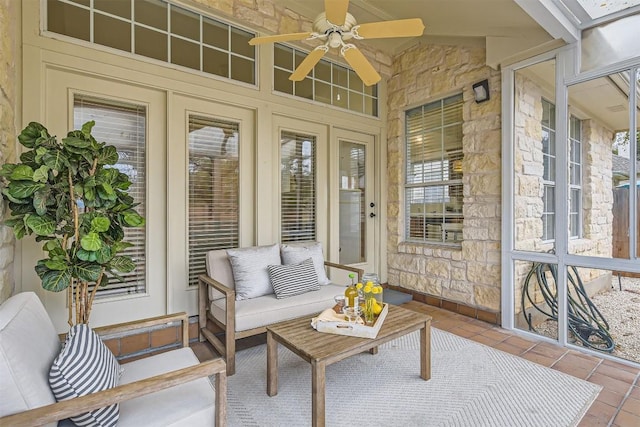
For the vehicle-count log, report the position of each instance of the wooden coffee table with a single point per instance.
(322, 349)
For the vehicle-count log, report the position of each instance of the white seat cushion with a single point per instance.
(189, 404)
(267, 309)
(28, 345)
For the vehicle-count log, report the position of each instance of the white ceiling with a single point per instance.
(446, 21)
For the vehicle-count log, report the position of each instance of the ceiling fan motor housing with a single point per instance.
(335, 33)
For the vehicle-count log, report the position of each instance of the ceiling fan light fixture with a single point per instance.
(335, 40)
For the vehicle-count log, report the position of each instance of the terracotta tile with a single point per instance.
(625, 419)
(485, 340)
(632, 406)
(113, 345)
(194, 331)
(476, 326)
(461, 332)
(610, 397)
(445, 325)
(571, 367)
(609, 383)
(465, 310)
(498, 335)
(622, 366)
(594, 420)
(584, 366)
(165, 336)
(448, 305)
(420, 298)
(509, 348)
(520, 342)
(616, 372)
(540, 359)
(488, 316)
(635, 393)
(134, 343)
(549, 350)
(602, 411)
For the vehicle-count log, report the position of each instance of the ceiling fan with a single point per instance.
(335, 26)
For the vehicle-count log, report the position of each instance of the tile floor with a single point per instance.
(618, 404)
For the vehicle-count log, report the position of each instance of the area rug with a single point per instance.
(471, 385)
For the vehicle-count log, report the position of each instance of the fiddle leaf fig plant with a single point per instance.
(68, 194)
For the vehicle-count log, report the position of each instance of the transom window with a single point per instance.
(434, 158)
(160, 30)
(328, 82)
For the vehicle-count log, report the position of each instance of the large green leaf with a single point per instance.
(40, 201)
(105, 190)
(56, 264)
(7, 169)
(41, 174)
(30, 157)
(103, 255)
(120, 246)
(133, 219)
(41, 225)
(22, 173)
(24, 189)
(100, 224)
(90, 193)
(108, 155)
(91, 242)
(8, 195)
(56, 160)
(73, 141)
(86, 128)
(19, 230)
(87, 255)
(123, 264)
(87, 271)
(30, 134)
(56, 280)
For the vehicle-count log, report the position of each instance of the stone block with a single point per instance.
(487, 297)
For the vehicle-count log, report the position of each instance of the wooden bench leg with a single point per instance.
(374, 350)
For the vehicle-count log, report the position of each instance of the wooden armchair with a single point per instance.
(156, 390)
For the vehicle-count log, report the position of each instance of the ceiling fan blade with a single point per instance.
(279, 38)
(309, 62)
(336, 11)
(360, 65)
(386, 29)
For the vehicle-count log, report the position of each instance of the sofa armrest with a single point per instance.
(65, 409)
(359, 271)
(227, 291)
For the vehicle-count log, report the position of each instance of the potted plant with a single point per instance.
(71, 197)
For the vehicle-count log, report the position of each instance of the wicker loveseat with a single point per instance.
(244, 317)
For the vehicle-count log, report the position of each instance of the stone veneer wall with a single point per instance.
(9, 53)
(469, 274)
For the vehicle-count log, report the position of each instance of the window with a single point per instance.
(213, 189)
(575, 177)
(549, 169)
(433, 190)
(297, 187)
(549, 179)
(160, 30)
(328, 82)
(123, 126)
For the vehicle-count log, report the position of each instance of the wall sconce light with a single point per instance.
(481, 91)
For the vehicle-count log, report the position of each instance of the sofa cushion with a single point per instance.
(296, 253)
(28, 345)
(267, 309)
(84, 366)
(249, 266)
(293, 279)
(195, 405)
(219, 268)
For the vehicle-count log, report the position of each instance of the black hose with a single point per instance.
(585, 321)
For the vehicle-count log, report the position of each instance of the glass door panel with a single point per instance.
(352, 203)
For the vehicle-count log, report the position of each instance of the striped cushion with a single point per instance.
(293, 279)
(84, 366)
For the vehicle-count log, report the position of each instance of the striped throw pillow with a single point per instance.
(84, 366)
(293, 279)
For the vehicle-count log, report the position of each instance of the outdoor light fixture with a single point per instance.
(481, 91)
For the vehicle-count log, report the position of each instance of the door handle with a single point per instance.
(373, 205)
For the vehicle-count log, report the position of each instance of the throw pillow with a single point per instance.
(84, 366)
(293, 279)
(295, 254)
(249, 267)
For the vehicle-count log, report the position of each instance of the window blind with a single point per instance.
(123, 126)
(213, 189)
(298, 187)
(434, 155)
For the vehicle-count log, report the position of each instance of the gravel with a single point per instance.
(621, 309)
